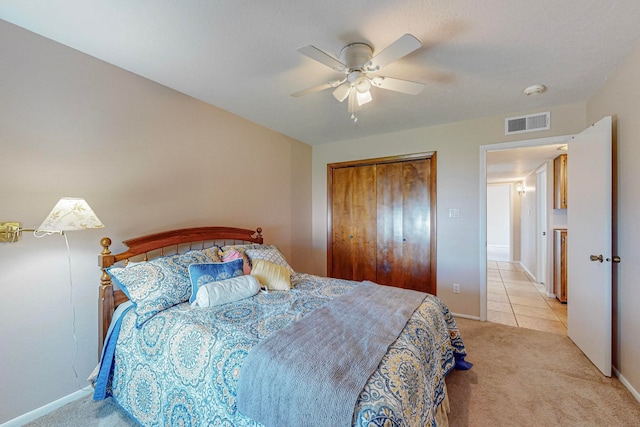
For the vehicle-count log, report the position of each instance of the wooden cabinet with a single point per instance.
(382, 221)
(560, 264)
(560, 182)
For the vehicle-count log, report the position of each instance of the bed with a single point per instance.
(167, 361)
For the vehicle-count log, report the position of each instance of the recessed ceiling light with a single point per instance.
(535, 89)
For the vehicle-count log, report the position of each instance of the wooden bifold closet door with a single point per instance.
(381, 221)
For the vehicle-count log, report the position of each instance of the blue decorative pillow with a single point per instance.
(157, 284)
(213, 272)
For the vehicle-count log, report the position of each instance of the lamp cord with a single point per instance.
(39, 234)
(73, 311)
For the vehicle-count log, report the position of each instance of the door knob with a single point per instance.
(615, 259)
(596, 258)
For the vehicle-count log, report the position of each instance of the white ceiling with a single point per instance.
(515, 164)
(476, 58)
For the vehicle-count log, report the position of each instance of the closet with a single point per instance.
(381, 221)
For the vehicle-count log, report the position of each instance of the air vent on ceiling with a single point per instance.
(529, 123)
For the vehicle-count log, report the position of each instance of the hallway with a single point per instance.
(514, 299)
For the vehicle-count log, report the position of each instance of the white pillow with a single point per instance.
(225, 291)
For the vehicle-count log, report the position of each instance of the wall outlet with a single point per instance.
(456, 288)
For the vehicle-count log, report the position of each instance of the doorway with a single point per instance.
(519, 292)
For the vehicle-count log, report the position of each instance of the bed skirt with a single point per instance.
(443, 410)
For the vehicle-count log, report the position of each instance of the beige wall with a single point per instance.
(529, 250)
(457, 145)
(619, 96)
(147, 159)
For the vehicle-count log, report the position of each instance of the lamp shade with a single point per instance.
(70, 214)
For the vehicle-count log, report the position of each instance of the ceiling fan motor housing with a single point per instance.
(355, 55)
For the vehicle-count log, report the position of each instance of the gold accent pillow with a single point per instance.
(272, 276)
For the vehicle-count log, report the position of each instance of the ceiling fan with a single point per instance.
(357, 62)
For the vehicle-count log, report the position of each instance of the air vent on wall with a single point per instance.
(529, 123)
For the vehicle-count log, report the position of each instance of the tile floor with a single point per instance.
(514, 299)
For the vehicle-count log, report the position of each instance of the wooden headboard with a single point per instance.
(153, 246)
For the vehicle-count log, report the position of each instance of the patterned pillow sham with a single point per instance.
(271, 254)
(213, 253)
(201, 274)
(158, 284)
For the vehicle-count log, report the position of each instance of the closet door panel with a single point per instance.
(341, 257)
(354, 223)
(390, 218)
(416, 250)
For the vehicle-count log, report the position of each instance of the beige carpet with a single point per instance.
(520, 377)
(523, 377)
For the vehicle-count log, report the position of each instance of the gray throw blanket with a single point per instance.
(311, 372)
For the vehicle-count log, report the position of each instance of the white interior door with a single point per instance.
(541, 224)
(589, 233)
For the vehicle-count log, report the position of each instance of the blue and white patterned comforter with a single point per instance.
(182, 366)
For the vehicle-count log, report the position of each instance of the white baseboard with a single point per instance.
(465, 316)
(44, 410)
(541, 286)
(526, 270)
(626, 383)
(498, 253)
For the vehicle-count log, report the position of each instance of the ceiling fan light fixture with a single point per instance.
(363, 97)
(363, 84)
(341, 92)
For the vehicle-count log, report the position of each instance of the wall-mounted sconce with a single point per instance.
(69, 214)
(520, 187)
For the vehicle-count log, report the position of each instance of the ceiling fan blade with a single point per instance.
(323, 58)
(396, 50)
(398, 85)
(342, 92)
(317, 88)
